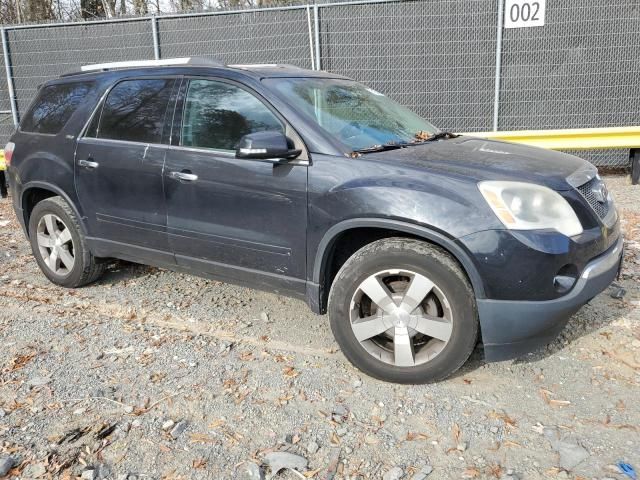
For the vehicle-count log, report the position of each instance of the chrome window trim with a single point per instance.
(97, 140)
(230, 154)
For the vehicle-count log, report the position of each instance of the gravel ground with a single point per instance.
(154, 374)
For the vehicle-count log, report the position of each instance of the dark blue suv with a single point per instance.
(417, 242)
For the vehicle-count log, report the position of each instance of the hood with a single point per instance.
(480, 159)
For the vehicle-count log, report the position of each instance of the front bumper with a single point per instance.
(512, 328)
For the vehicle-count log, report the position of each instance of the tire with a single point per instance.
(448, 311)
(55, 214)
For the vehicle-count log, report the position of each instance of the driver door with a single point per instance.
(236, 219)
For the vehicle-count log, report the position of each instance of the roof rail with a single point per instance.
(249, 66)
(195, 61)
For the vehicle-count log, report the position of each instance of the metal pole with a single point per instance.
(316, 24)
(156, 40)
(7, 68)
(311, 50)
(496, 98)
(634, 157)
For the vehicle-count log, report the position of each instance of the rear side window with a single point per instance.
(135, 111)
(54, 106)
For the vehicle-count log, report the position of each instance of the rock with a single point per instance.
(341, 432)
(34, 470)
(571, 453)
(250, 471)
(2, 413)
(312, 447)
(264, 317)
(423, 473)
(89, 475)
(616, 291)
(339, 413)
(494, 429)
(357, 383)
(102, 472)
(281, 460)
(6, 464)
(395, 473)
(332, 468)
(462, 446)
(128, 409)
(168, 425)
(38, 381)
(178, 429)
(137, 423)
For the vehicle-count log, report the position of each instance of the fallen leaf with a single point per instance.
(456, 433)
(201, 438)
(411, 436)
(199, 463)
(471, 472)
(494, 470)
(290, 372)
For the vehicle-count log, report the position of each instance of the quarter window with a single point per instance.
(135, 110)
(54, 106)
(217, 115)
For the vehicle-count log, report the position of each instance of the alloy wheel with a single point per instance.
(401, 317)
(55, 244)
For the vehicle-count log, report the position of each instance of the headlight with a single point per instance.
(526, 206)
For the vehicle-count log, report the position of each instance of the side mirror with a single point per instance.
(269, 146)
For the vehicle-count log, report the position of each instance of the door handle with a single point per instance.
(88, 164)
(184, 176)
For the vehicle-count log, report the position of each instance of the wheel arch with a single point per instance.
(36, 191)
(386, 227)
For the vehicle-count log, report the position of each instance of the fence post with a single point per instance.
(156, 39)
(496, 98)
(634, 158)
(310, 28)
(7, 68)
(316, 24)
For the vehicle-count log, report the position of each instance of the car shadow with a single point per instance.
(120, 271)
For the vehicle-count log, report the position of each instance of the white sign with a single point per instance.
(524, 13)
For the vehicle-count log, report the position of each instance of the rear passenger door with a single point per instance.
(240, 220)
(119, 164)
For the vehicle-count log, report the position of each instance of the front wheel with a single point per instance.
(402, 310)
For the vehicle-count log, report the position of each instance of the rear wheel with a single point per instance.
(59, 246)
(402, 310)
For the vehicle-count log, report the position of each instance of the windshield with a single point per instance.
(358, 116)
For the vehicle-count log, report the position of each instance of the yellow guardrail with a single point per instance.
(3, 165)
(570, 139)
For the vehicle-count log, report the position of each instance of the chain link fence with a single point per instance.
(442, 58)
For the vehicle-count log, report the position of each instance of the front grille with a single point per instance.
(587, 191)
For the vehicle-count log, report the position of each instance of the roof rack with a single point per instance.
(195, 61)
(249, 66)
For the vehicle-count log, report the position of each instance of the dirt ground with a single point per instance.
(150, 374)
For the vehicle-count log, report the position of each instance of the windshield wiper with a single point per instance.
(382, 148)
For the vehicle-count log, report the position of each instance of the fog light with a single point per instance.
(565, 279)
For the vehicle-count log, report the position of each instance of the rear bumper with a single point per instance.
(512, 328)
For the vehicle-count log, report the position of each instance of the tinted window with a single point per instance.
(54, 106)
(217, 114)
(135, 110)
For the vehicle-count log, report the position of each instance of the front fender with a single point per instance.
(428, 234)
